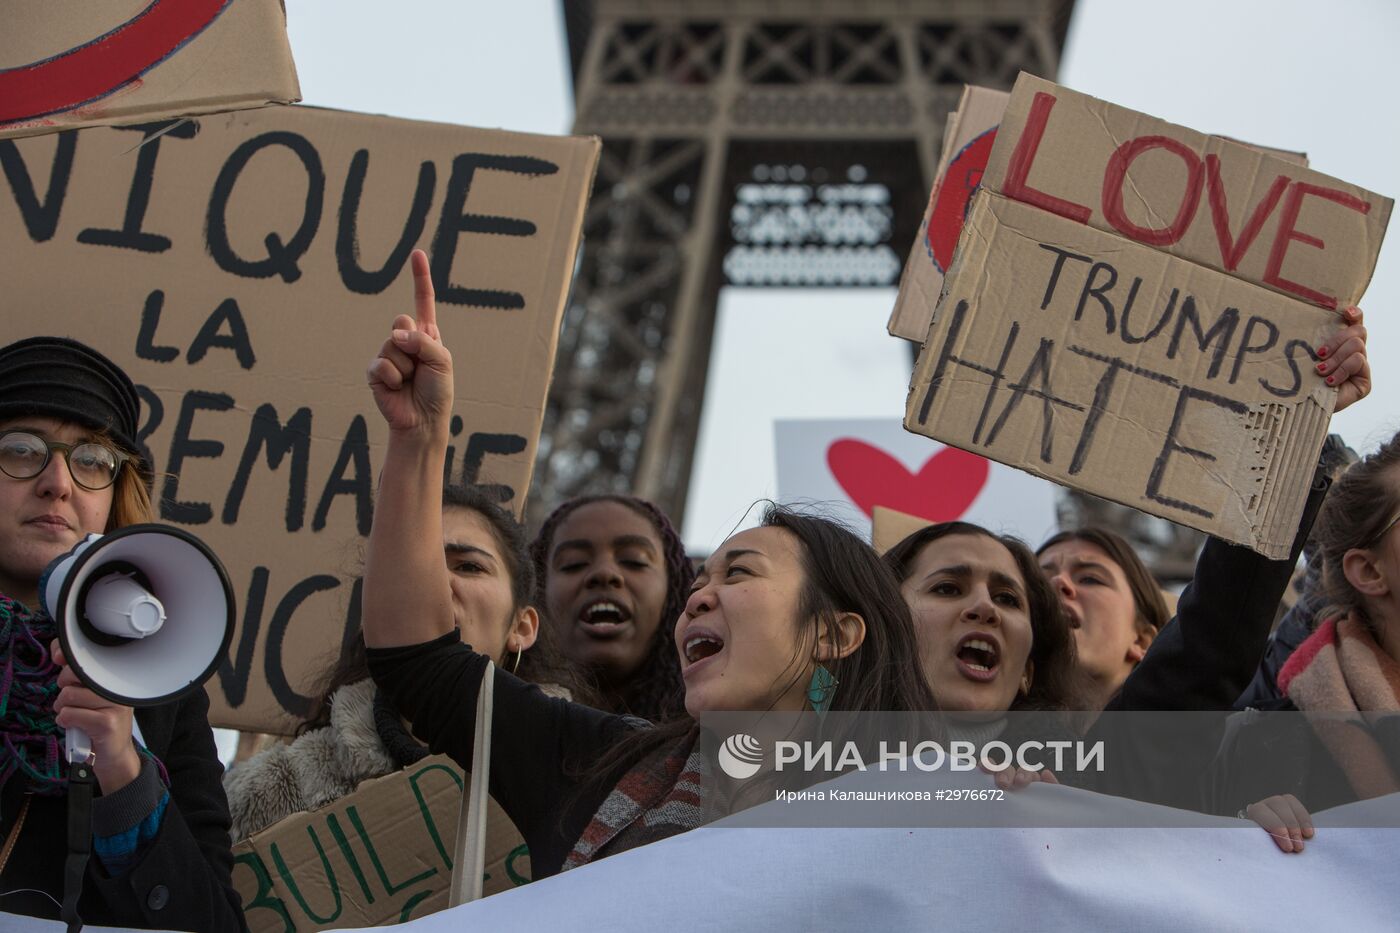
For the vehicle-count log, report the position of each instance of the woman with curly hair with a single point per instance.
(613, 580)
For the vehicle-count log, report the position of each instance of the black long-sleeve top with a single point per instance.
(1196, 668)
(543, 749)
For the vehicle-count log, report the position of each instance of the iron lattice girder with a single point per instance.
(686, 94)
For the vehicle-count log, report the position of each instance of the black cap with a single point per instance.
(62, 378)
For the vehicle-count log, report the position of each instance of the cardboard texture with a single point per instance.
(244, 268)
(967, 146)
(1194, 400)
(67, 64)
(1134, 310)
(967, 142)
(888, 527)
(381, 855)
(1222, 204)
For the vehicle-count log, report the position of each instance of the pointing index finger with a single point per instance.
(424, 299)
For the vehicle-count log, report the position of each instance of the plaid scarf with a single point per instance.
(1341, 669)
(31, 743)
(663, 795)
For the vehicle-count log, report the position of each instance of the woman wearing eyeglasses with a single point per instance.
(70, 465)
(1345, 676)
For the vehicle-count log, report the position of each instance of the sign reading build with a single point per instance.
(1135, 308)
(74, 63)
(379, 856)
(244, 268)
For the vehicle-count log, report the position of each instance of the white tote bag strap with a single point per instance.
(469, 863)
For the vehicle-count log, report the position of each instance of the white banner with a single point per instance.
(1192, 876)
(1171, 879)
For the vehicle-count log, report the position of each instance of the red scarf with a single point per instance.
(1340, 669)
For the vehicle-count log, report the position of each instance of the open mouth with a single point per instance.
(604, 617)
(702, 645)
(978, 657)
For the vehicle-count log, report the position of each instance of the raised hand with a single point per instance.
(1342, 360)
(411, 378)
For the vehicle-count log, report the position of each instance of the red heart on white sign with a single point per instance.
(943, 490)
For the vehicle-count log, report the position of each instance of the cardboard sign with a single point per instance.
(968, 140)
(66, 64)
(889, 527)
(381, 855)
(244, 268)
(856, 467)
(967, 144)
(1165, 364)
(1225, 205)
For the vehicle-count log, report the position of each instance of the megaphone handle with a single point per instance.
(77, 745)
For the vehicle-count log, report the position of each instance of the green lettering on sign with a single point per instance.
(261, 899)
(292, 885)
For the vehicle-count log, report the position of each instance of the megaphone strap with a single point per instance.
(80, 779)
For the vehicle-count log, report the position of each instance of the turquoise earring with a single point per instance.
(821, 690)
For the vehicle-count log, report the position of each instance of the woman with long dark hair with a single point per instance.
(992, 634)
(70, 464)
(353, 734)
(794, 614)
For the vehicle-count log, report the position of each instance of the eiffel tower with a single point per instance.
(782, 143)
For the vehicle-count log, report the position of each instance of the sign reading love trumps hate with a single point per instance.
(1134, 309)
(244, 268)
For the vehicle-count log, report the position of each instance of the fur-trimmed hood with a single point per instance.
(313, 770)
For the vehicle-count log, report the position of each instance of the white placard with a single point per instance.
(850, 466)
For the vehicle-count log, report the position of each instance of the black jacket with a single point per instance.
(183, 879)
(1196, 668)
(1273, 749)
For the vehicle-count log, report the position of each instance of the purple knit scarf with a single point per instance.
(30, 740)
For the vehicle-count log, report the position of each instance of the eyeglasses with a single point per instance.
(1376, 538)
(92, 465)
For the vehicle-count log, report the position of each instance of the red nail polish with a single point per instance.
(1331, 379)
(1322, 367)
(1322, 353)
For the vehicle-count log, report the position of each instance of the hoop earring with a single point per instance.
(821, 690)
(516, 666)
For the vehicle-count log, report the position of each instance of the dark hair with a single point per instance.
(509, 535)
(1151, 607)
(541, 663)
(1361, 506)
(841, 573)
(655, 692)
(1057, 683)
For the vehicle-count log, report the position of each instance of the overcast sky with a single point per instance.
(1294, 74)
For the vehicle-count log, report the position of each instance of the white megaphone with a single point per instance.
(143, 614)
